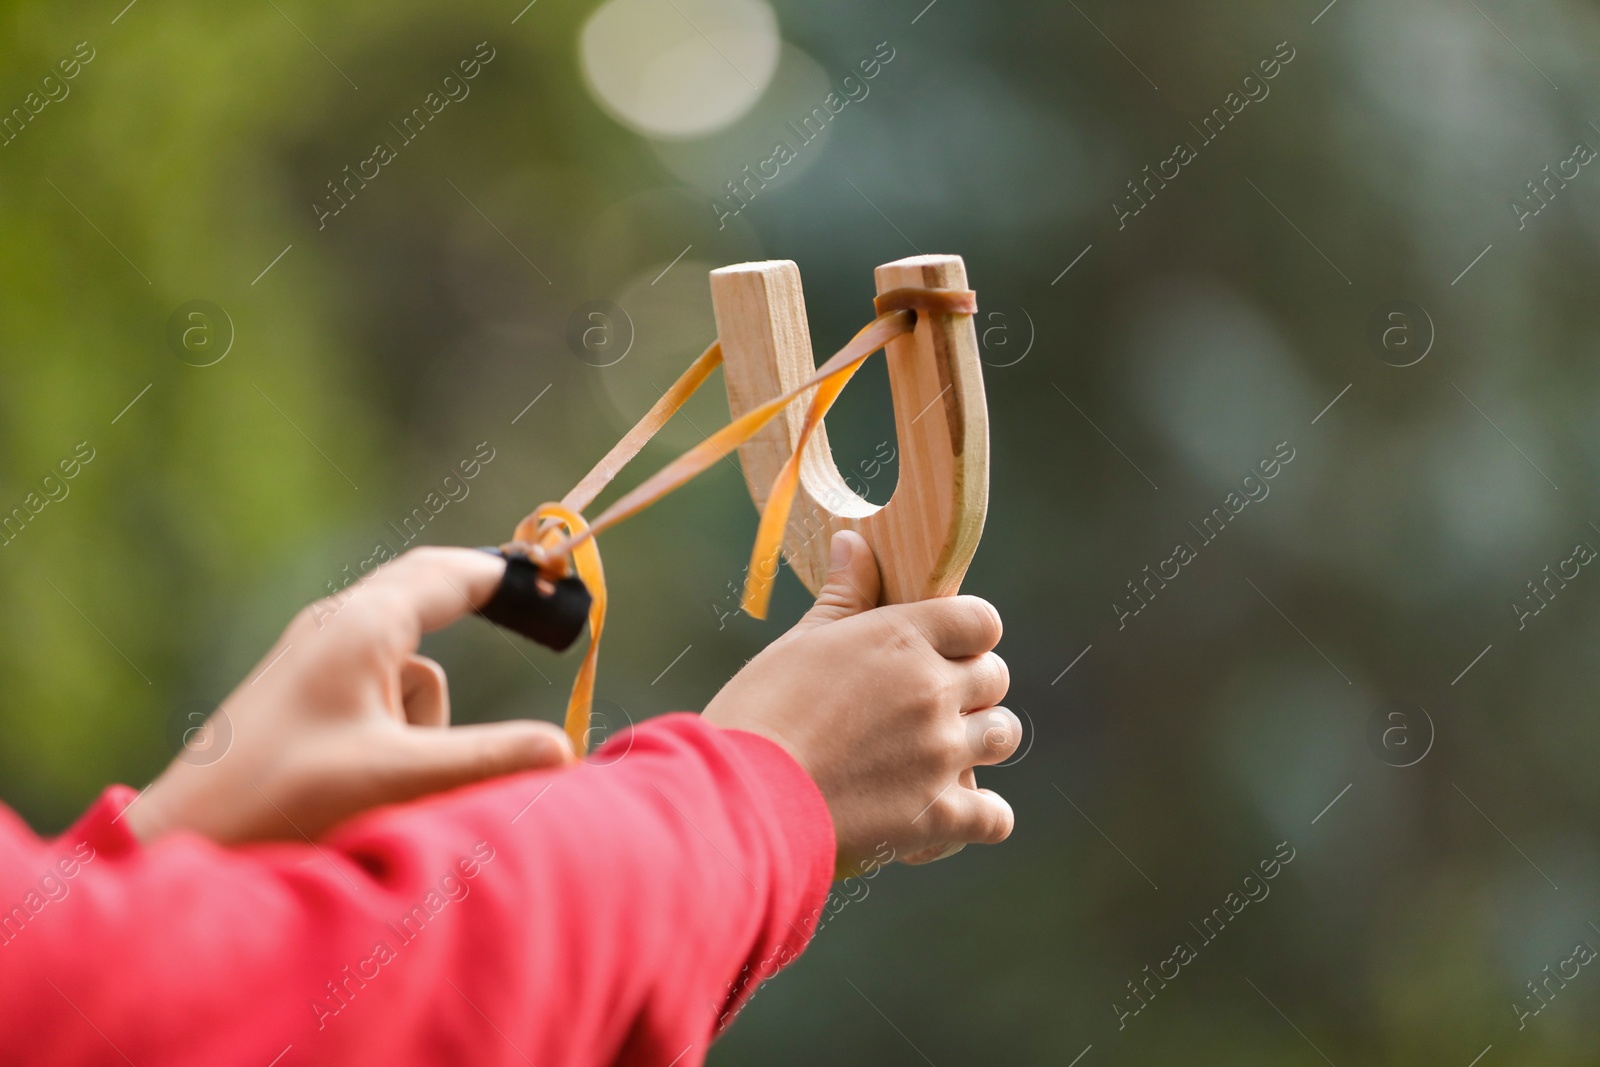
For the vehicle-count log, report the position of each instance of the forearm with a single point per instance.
(593, 915)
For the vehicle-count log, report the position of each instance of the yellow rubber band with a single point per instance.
(541, 529)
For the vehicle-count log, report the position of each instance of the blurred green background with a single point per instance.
(1327, 635)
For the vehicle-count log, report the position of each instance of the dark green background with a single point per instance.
(1220, 722)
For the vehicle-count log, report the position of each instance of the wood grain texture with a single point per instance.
(925, 536)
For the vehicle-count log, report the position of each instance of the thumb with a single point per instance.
(440, 759)
(853, 584)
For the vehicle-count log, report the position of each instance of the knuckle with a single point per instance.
(313, 617)
(483, 758)
(921, 621)
(365, 629)
(413, 561)
(937, 690)
(1002, 674)
(542, 744)
(932, 750)
(384, 608)
(994, 675)
(475, 765)
(421, 556)
(953, 745)
(901, 638)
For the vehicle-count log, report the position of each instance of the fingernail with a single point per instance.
(839, 551)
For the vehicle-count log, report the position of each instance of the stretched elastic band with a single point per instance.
(540, 539)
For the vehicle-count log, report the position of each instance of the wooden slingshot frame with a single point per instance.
(925, 536)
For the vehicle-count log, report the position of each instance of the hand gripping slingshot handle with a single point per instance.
(925, 536)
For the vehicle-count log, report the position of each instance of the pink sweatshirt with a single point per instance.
(617, 912)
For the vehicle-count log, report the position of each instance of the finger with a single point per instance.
(992, 735)
(951, 851)
(853, 584)
(424, 692)
(956, 626)
(433, 760)
(973, 816)
(423, 590)
(929, 855)
(982, 680)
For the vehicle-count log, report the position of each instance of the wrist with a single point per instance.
(849, 858)
(812, 821)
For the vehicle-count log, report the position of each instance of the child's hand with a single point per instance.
(888, 709)
(343, 715)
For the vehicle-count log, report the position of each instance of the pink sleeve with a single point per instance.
(616, 912)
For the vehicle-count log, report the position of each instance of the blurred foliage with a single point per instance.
(381, 350)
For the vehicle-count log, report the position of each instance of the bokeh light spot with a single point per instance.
(682, 69)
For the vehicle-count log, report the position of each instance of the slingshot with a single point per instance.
(924, 537)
